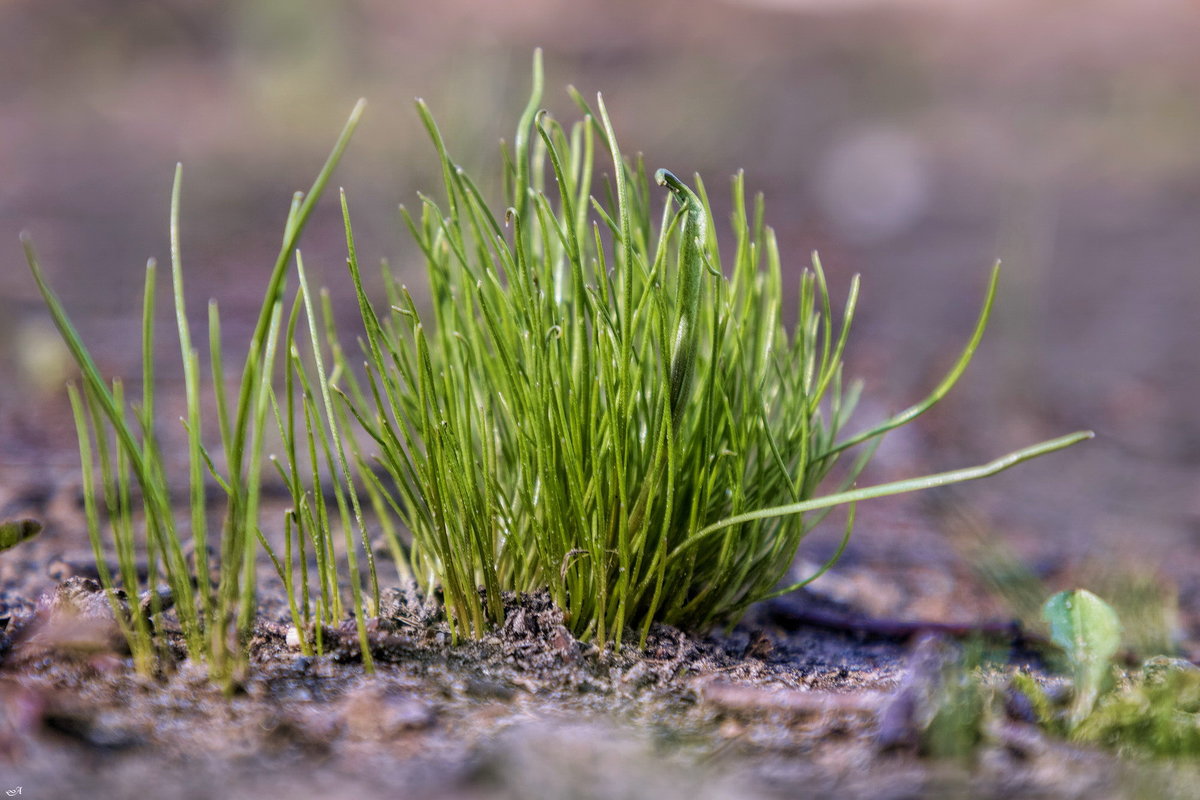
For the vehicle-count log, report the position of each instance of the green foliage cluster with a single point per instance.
(1153, 710)
(598, 400)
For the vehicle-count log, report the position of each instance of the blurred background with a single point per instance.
(911, 141)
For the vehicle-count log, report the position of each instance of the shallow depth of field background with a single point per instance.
(912, 141)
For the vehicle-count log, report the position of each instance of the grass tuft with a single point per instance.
(595, 401)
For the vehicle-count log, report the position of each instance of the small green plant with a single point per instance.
(1089, 633)
(1152, 710)
(603, 402)
(951, 699)
(595, 400)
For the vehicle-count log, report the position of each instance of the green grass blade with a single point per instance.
(896, 487)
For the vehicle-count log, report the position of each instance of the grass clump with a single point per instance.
(596, 399)
(600, 402)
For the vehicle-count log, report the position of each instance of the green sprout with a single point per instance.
(1153, 710)
(1089, 632)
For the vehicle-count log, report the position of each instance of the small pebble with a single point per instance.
(292, 638)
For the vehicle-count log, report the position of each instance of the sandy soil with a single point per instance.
(776, 708)
(817, 693)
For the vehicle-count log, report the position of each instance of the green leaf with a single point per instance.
(1089, 632)
(15, 531)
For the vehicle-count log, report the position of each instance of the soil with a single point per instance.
(771, 709)
(807, 696)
